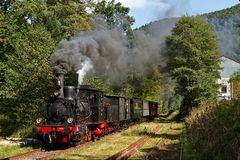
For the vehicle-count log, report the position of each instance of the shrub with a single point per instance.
(214, 132)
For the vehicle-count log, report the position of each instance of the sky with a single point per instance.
(145, 11)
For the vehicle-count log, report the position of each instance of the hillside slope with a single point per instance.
(225, 23)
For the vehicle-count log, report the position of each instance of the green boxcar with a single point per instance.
(117, 108)
(112, 109)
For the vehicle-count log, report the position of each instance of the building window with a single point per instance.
(224, 89)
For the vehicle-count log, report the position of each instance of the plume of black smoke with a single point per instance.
(107, 54)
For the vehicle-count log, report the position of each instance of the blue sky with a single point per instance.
(145, 11)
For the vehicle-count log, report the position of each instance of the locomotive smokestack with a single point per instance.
(60, 82)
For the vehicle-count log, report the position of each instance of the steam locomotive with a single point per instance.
(83, 114)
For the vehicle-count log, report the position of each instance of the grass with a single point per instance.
(148, 146)
(107, 147)
(11, 150)
(168, 146)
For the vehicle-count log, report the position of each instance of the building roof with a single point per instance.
(234, 58)
(229, 66)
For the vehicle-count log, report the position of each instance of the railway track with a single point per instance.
(133, 148)
(38, 154)
(33, 155)
(154, 148)
(162, 145)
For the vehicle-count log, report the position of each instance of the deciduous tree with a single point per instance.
(193, 61)
(115, 15)
(25, 73)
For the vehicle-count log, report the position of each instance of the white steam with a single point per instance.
(87, 66)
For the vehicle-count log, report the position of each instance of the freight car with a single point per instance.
(83, 114)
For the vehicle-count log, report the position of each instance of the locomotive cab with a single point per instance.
(95, 101)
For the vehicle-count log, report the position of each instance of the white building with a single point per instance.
(229, 67)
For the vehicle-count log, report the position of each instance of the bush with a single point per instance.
(214, 131)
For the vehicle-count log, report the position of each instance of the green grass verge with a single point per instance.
(119, 141)
(11, 150)
(104, 148)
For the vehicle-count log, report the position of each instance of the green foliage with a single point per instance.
(72, 15)
(147, 87)
(193, 61)
(214, 132)
(152, 86)
(98, 83)
(25, 73)
(235, 79)
(2, 29)
(115, 15)
(232, 11)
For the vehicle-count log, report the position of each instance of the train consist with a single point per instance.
(84, 114)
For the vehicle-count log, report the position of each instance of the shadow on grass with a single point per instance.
(169, 152)
(166, 136)
(169, 145)
(51, 147)
(34, 145)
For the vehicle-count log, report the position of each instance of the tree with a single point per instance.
(153, 86)
(25, 73)
(115, 15)
(72, 15)
(98, 82)
(2, 28)
(193, 61)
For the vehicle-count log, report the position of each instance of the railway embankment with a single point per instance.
(213, 132)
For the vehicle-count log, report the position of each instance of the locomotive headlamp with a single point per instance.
(39, 120)
(70, 120)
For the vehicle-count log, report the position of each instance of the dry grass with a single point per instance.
(214, 132)
(160, 138)
(165, 145)
(104, 148)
